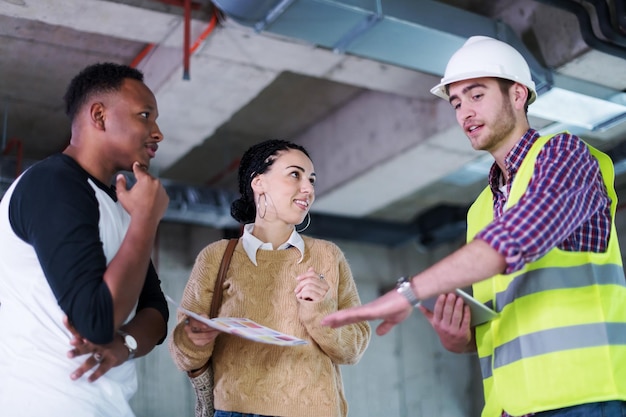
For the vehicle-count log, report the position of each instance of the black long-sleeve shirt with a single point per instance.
(55, 209)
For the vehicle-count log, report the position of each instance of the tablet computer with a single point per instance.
(480, 312)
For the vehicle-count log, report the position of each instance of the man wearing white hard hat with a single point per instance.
(542, 252)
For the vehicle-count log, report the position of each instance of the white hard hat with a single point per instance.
(481, 56)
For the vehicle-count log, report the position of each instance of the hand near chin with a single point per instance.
(146, 199)
(311, 286)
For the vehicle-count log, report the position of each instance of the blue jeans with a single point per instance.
(219, 413)
(604, 409)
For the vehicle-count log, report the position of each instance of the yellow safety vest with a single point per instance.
(560, 338)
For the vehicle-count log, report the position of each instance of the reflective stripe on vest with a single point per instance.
(554, 340)
(559, 278)
(560, 339)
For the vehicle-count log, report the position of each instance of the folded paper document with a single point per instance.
(245, 328)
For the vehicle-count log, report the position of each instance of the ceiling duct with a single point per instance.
(440, 224)
(419, 35)
(615, 43)
(407, 33)
(619, 11)
(608, 24)
(199, 205)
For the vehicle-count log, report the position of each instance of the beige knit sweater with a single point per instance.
(271, 380)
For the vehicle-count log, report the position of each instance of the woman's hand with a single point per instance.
(199, 333)
(311, 286)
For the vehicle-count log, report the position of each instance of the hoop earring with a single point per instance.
(308, 223)
(258, 206)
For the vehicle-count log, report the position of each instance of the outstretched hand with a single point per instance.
(392, 308)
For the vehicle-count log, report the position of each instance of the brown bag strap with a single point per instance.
(216, 302)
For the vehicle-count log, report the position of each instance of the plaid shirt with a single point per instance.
(565, 205)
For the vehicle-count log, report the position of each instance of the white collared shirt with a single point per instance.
(251, 244)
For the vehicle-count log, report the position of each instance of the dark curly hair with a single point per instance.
(97, 78)
(255, 161)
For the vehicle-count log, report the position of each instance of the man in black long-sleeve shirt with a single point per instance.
(75, 268)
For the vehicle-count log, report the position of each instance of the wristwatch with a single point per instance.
(129, 342)
(403, 287)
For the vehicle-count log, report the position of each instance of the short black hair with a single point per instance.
(255, 161)
(97, 78)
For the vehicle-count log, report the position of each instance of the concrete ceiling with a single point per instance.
(384, 149)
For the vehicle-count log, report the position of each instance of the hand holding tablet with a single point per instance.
(480, 312)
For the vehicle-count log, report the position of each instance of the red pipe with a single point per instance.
(187, 50)
(206, 32)
(179, 3)
(142, 55)
(187, 40)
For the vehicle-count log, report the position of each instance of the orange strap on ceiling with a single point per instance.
(187, 48)
(187, 40)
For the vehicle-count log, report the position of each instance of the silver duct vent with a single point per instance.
(199, 205)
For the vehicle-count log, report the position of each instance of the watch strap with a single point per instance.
(131, 351)
(404, 288)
